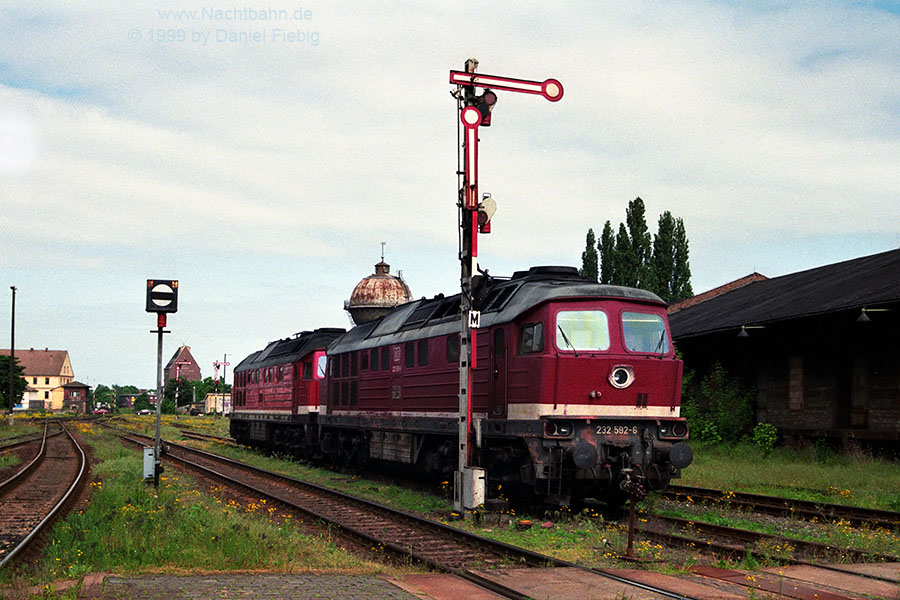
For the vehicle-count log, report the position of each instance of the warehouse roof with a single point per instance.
(870, 282)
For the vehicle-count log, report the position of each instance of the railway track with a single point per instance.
(724, 539)
(786, 507)
(23, 439)
(402, 534)
(39, 492)
(206, 437)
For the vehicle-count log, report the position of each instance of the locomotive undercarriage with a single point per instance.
(584, 458)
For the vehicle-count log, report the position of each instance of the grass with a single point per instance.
(20, 426)
(128, 527)
(9, 461)
(856, 479)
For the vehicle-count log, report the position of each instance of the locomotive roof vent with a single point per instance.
(548, 272)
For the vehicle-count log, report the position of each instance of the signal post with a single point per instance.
(475, 107)
(162, 298)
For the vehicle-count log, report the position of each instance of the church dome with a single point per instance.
(377, 294)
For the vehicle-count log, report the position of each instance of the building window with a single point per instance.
(34, 380)
(46, 381)
(531, 338)
(46, 395)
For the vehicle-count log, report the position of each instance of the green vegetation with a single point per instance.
(20, 427)
(722, 411)
(129, 527)
(857, 479)
(633, 258)
(8, 461)
(19, 383)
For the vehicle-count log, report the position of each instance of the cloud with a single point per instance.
(268, 173)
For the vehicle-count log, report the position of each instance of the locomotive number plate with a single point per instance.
(617, 430)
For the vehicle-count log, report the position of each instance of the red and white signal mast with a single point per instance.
(476, 99)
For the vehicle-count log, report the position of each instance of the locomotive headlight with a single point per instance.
(621, 377)
(557, 429)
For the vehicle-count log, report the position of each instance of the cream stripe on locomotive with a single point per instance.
(524, 412)
(301, 410)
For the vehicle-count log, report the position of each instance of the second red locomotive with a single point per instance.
(575, 391)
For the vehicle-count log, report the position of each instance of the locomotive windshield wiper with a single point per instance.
(662, 338)
(566, 338)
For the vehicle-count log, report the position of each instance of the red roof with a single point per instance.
(733, 285)
(40, 362)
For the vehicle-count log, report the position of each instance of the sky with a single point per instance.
(163, 142)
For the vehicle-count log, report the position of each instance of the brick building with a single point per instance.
(183, 365)
(75, 397)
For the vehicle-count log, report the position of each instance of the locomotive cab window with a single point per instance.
(645, 332)
(531, 338)
(582, 330)
(307, 370)
(321, 362)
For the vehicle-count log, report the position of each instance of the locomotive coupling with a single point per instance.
(632, 487)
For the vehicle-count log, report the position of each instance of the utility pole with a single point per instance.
(12, 356)
(475, 215)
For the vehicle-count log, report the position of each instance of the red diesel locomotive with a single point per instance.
(575, 391)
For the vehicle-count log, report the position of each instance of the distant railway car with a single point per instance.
(575, 390)
(276, 391)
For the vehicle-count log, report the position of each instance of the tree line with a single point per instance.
(632, 257)
(176, 393)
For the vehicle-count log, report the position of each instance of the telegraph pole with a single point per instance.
(475, 215)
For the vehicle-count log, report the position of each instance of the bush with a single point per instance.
(765, 435)
(722, 411)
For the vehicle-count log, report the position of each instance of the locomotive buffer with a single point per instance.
(474, 216)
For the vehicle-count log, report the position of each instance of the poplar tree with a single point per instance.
(634, 258)
(607, 249)
(625, 261)
(681, 277)
(589, 257)
(641, 243)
